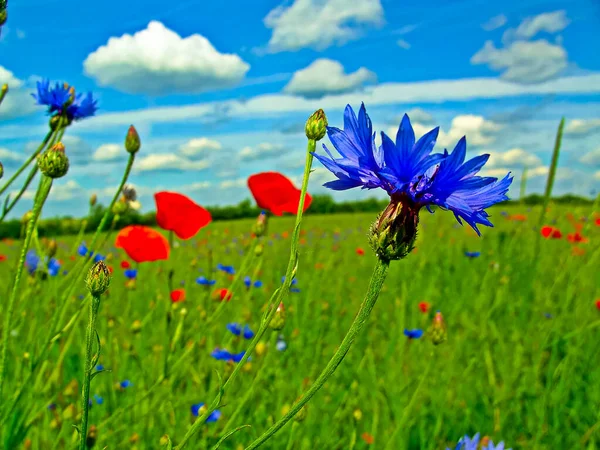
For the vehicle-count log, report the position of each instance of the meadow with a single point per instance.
(520, 363)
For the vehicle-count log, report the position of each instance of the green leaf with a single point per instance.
(218, 444)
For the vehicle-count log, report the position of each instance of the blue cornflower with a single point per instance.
(99, 257)
(294, 281)
(82, 249)
(205, 281)
(212, 417)
(247, 281)
(227, 269)
(53, 267)
(234, 328)
(31, 261)
(99, 367)
(125, 384)
(410, 174)
(472, 254)
(296, 290)
(281, 345)
(258, 284)
(99, 400)
(224, 355)
(59, 99)
(130, 273)
(413, 334)
(248, 333)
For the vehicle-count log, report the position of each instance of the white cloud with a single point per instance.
(237, 183)
(501, 172)
(61, 191)
(494, 23)
(592, 158)
(168, 161)
(551, 22)
(264, 150)
(199, 146)
(418, 115)
(524, 61)
(109, 152)
(319, 24)
(597, 175)
(158, 61)
(478, 130)
(327, 77)
(8, 155)
(434, 91)
(515, 157)
(17, 102)
(403, 44)
(581, 127)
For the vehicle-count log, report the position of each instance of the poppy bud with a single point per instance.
(92, 436)
(98, 279)
(278, 321)
(93, 199)
(52, 248)
(316, 125)
(1, 170)
(54, 162)
(132, 140)
(437, 331)
(394, 232)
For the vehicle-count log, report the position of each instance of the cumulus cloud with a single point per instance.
(591, 158)
(168, 161)
(582, 127)
(199, 147)
(550, 22)
(8, 156)
(403, 44)
(515, 157)
(319, 24)
(327, 77)
(494, 23)
(109, 152)
(237, 183)
(157, 61)
(264, 150)
(17, 101)
(524, 61)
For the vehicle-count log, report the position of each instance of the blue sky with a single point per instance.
(221, 90)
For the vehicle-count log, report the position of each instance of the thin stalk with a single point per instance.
(278, 296)
(43, 191)
(27, 162)
(14, 201)
(375, 285)
(87, 371)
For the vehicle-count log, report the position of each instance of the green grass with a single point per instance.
(506, 370)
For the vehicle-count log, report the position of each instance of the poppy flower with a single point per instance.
(125, 264)
(598, 304)
(360, 251)
(142, 244)
(178, 295)
(551, 232)
(598, 221)
(223, 294)
(180, 214)
(576, 237)
(368, 438)
(276, 193)
(3, 258)
(424, 307)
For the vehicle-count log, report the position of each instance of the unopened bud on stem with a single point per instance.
(132, 140)
(278, 321)
(98, 279)
(54, 163)
(316, 125)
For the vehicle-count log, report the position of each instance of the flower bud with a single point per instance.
(394, 232)
(278, 321)
(4, 88)
(1, 170)
(258, 250)
(3, 17)
(54, 162)
(132, 140)
(52, 248)
(357, 414)
(120, 207)
(260, 227)
(316, 125)
(98, 279)
(92, 436)
(26, 217)
(136, 326)
(437, 332)
(93, 200)
(57, 120)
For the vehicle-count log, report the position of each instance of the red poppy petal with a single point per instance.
(547, 231)
(142, 244)
(276, 193)
(180, 214)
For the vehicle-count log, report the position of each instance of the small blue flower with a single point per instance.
(53, 267)
(99, 367)
(31, 261)
(55, 99)
(99, 257)
(281, 345)
(237, 357)
(294, 281)
(247, 281)
(234, 328)
(296, 290)
(130, 273)
(472, 254)
(227, 269)
(409, 173)
(82, 249)
(212, 417)
(413, 334)
(125, 384)
(248, 333)
(258, 284)
(204, 281)
(224, 355)
(99, 400)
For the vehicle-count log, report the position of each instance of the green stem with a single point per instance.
(87, 371)
(290, 442)
(375, 285)
(3, 90)
(27, 162)
(278, 296)
(30, 178)
(43, 191)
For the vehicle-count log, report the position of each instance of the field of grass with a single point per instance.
(521, 363)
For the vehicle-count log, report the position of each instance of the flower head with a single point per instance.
(413, 334)
(142, 244)
(276, 193)
(204, 281)
(199, 408)
(472, 254)
(227, 269)
(62, 100)
(180, 214)
(178, 295)
(411, 175)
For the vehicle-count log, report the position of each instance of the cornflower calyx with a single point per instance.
(98, 279)
(316, 125)
(54, 163)
(132, 140)
(393, 234)
(260, 227)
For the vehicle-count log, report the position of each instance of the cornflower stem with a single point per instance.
(290, 442)
(28, 181)
(43, 191)
(3, 91)
(87, 371)
(168, 315)
(411, 402)
(375, 285)
(27, 162)
(278, 296)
